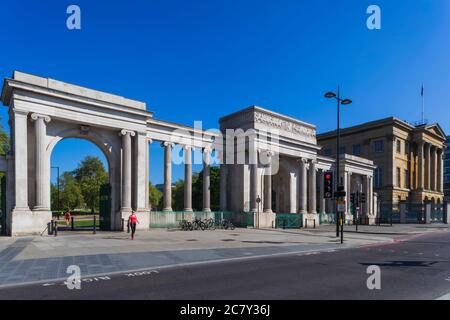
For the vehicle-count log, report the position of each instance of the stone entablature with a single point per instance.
(265, 120)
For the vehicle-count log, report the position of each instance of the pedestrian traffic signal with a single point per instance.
(328, 185)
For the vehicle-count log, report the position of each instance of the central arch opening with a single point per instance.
(80, 189)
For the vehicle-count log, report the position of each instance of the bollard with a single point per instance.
(123, 224)
(55, 228)
(95, 225)
(314, 223)
(72, 224)
(306, 223)
(50, 228)
(128, 226)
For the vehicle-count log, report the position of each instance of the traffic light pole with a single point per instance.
(338, 133)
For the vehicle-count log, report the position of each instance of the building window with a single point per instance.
(378, 146)
(327, 152)
(342, 150)
(357, 149)
(399, 146)
(407, 146)
(378, 177)
(399, 184)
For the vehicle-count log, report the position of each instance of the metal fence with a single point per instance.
(172, 219)
(413, 213)
(288, 221)
(327, 218)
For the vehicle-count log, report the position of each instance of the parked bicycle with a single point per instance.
(186, 225)
(226, 224)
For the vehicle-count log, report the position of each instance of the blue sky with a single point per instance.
(200, 60)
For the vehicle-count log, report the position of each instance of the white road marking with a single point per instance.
(444, 297)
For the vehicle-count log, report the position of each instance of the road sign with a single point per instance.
(341, 207)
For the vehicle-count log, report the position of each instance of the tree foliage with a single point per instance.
(90, 176)
(155, 197)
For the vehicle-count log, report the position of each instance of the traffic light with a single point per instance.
(363, 198)
(352, 198)
(328, 185)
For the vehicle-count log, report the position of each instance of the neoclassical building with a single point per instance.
(270, 163)
(283, 171)
(409, 158)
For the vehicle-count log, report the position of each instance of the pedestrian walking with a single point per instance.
(132, 221)
(67, 217)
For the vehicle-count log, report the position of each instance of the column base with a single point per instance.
(268, 211)
(167, 209)
(207, 210)
(27, 222)
(188, 210)
(311, 217)
(264, 220)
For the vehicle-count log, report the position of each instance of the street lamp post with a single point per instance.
(57, 182)
(331, 95)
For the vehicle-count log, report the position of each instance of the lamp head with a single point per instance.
(330, 95)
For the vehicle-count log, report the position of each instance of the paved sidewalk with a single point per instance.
(31, 259)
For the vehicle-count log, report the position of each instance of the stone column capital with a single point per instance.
(167, 144)
(125, 132)
(149, 140)
(187, 147)
(207, 150)
(36, 116)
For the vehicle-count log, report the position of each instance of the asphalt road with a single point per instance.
(415, 269)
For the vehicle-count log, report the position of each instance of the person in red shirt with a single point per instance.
(132, 221)
(67, 217)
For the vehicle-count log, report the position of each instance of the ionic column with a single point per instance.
(348, 189)
(420, 158)
(253, 155)
(312, 188)
(440, 173)
(368, 195)
(206, 180)
(223, 187)
(434, 170)
(140, 181)
(427, 166)
(40, 163)
(268, 188)
(187, 178)
(303, 187)
(126, 169)
(167, 195)
(322, 200)
(20, 160)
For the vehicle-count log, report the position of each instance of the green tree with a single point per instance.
(70, 192)
(197, 189)
(90, 176)
(178, 196)
(155, 196)
(4, 140)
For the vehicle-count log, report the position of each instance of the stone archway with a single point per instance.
(111, 161)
